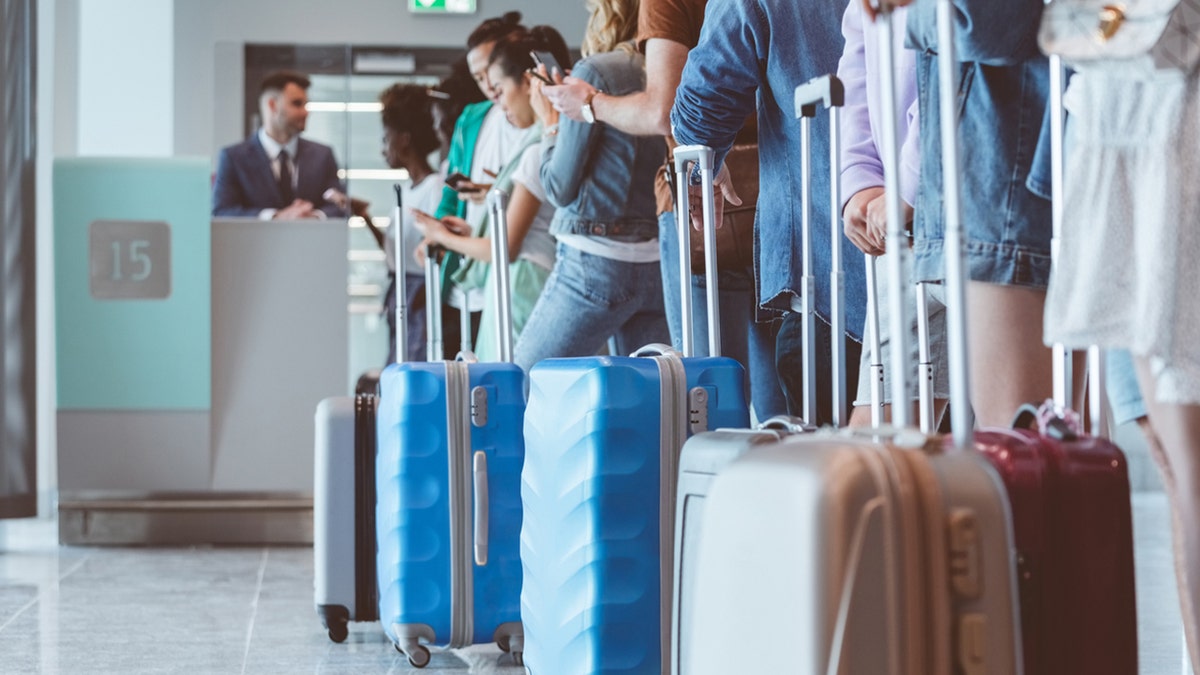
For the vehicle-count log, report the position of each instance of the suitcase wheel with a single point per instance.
(338, 632)
(418, 654)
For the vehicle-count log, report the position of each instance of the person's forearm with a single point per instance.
(479, 248)
(638, 114)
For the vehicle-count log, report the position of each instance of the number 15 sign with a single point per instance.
(129, 259)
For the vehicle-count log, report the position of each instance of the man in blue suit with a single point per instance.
(275, 173)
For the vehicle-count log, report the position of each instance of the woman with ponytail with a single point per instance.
(606, 279)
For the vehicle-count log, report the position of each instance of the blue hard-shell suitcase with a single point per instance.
(602, 439)
(448, 486)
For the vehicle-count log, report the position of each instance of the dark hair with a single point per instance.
(406, 109)
(459, 90)
(279, 79)
(494, 29)
(512, 53)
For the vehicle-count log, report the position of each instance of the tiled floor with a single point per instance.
(128, 610)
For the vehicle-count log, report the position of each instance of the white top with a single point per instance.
(496, 145)
(424, 196)
(624, 251)
(538, 246)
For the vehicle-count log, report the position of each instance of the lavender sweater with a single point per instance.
(859, 70)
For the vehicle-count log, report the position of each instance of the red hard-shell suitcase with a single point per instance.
(1074, 537)
(1069, 493)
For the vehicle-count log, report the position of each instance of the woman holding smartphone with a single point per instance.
(531, 248)
(606, 279)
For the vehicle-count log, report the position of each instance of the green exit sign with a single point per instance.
(442, 6)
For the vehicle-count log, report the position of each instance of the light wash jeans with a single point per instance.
(742, 339)
(586, 300)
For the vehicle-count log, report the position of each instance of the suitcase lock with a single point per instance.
(698, 410)
(479, 407)
(966, 575)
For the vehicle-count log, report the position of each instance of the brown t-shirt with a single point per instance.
(678, 21)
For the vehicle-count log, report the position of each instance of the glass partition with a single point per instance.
(344, 113)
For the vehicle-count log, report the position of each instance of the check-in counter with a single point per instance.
(191, 354)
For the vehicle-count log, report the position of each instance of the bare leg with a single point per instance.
(1178, 428)
(1009, 364)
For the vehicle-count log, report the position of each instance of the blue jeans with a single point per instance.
(742, 339)
(1124, 394)
(587, 299)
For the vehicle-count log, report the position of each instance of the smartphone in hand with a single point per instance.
(547, 59)
(457, 180)
(545, 80)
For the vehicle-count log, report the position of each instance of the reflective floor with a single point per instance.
(249, 610)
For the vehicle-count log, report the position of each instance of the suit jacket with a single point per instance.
(245, 183)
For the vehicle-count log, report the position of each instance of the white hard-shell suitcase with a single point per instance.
(704, 455)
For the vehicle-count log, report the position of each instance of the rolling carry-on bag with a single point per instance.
(448, 491)
(344, 512)
(344, 585)
(603, 436)
(704, 455)
(1072, 517)
(859, 552)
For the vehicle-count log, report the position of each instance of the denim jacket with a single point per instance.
(1003, 90)
(601, 179)
(756, 52)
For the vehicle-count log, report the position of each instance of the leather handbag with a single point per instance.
(1148, 35)
(735, 236)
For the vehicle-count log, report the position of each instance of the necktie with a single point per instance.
(285, 178)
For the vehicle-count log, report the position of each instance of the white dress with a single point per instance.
(1128, 275)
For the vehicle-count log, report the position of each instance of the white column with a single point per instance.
(126, 103)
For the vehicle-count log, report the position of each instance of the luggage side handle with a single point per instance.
(481, 508)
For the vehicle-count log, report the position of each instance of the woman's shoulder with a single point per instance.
(612, 70)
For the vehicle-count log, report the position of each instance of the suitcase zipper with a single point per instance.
(675, 412)
(458, 436)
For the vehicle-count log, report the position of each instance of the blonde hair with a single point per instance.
(611, 26)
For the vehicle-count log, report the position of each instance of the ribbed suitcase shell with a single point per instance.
(1074, 535)
(594, 518)
(415, 566)
(831, 554)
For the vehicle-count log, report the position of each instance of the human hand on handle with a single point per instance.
(874, 7)
(722, 192)
(855, 224)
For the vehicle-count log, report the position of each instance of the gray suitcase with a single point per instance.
(344, 587)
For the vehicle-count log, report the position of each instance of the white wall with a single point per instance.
(204, 29)
(126, 78)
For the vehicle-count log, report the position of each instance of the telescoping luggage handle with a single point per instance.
(401, 265)
(702, 155)
(823, 91)
(956, 285)
(1063, 365)
(433, 291)
(497, 212)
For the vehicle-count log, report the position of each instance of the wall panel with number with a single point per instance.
(132, 280)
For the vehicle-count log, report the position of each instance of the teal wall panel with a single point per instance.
(151, 353)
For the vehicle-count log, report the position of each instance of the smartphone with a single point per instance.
(456, 180)
(545, 80)
(547, 59)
